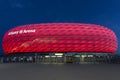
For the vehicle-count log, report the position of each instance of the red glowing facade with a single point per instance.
(59, 37)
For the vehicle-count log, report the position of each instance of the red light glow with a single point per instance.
(60, 37)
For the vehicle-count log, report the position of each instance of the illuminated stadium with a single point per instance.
(60, 43)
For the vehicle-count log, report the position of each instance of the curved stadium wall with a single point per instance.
(59, 37)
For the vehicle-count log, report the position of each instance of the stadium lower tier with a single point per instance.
(56, 58)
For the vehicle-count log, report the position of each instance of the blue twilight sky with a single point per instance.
(19, 12)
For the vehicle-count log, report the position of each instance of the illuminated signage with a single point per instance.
(21, 32)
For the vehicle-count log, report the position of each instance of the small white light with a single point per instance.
(77, 55)
(47, 56)
(53, 56)
(58, 54)
(83, 56)
(90, 55)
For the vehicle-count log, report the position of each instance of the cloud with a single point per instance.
(19, 3)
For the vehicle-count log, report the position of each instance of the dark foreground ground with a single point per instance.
(59, 71)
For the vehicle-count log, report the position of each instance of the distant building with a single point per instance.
(60, 43)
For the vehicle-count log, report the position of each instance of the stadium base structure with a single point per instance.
(62, 58)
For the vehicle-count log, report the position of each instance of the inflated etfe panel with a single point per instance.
(59, 37)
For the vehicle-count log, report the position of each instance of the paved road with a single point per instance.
(59, 72)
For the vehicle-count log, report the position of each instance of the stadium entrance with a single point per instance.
(69, 59)
(48, 59)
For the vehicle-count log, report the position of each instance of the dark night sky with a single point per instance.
(19, 12)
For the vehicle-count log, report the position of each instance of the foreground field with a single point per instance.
(59, 72)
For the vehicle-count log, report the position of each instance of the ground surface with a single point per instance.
(59, 72)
